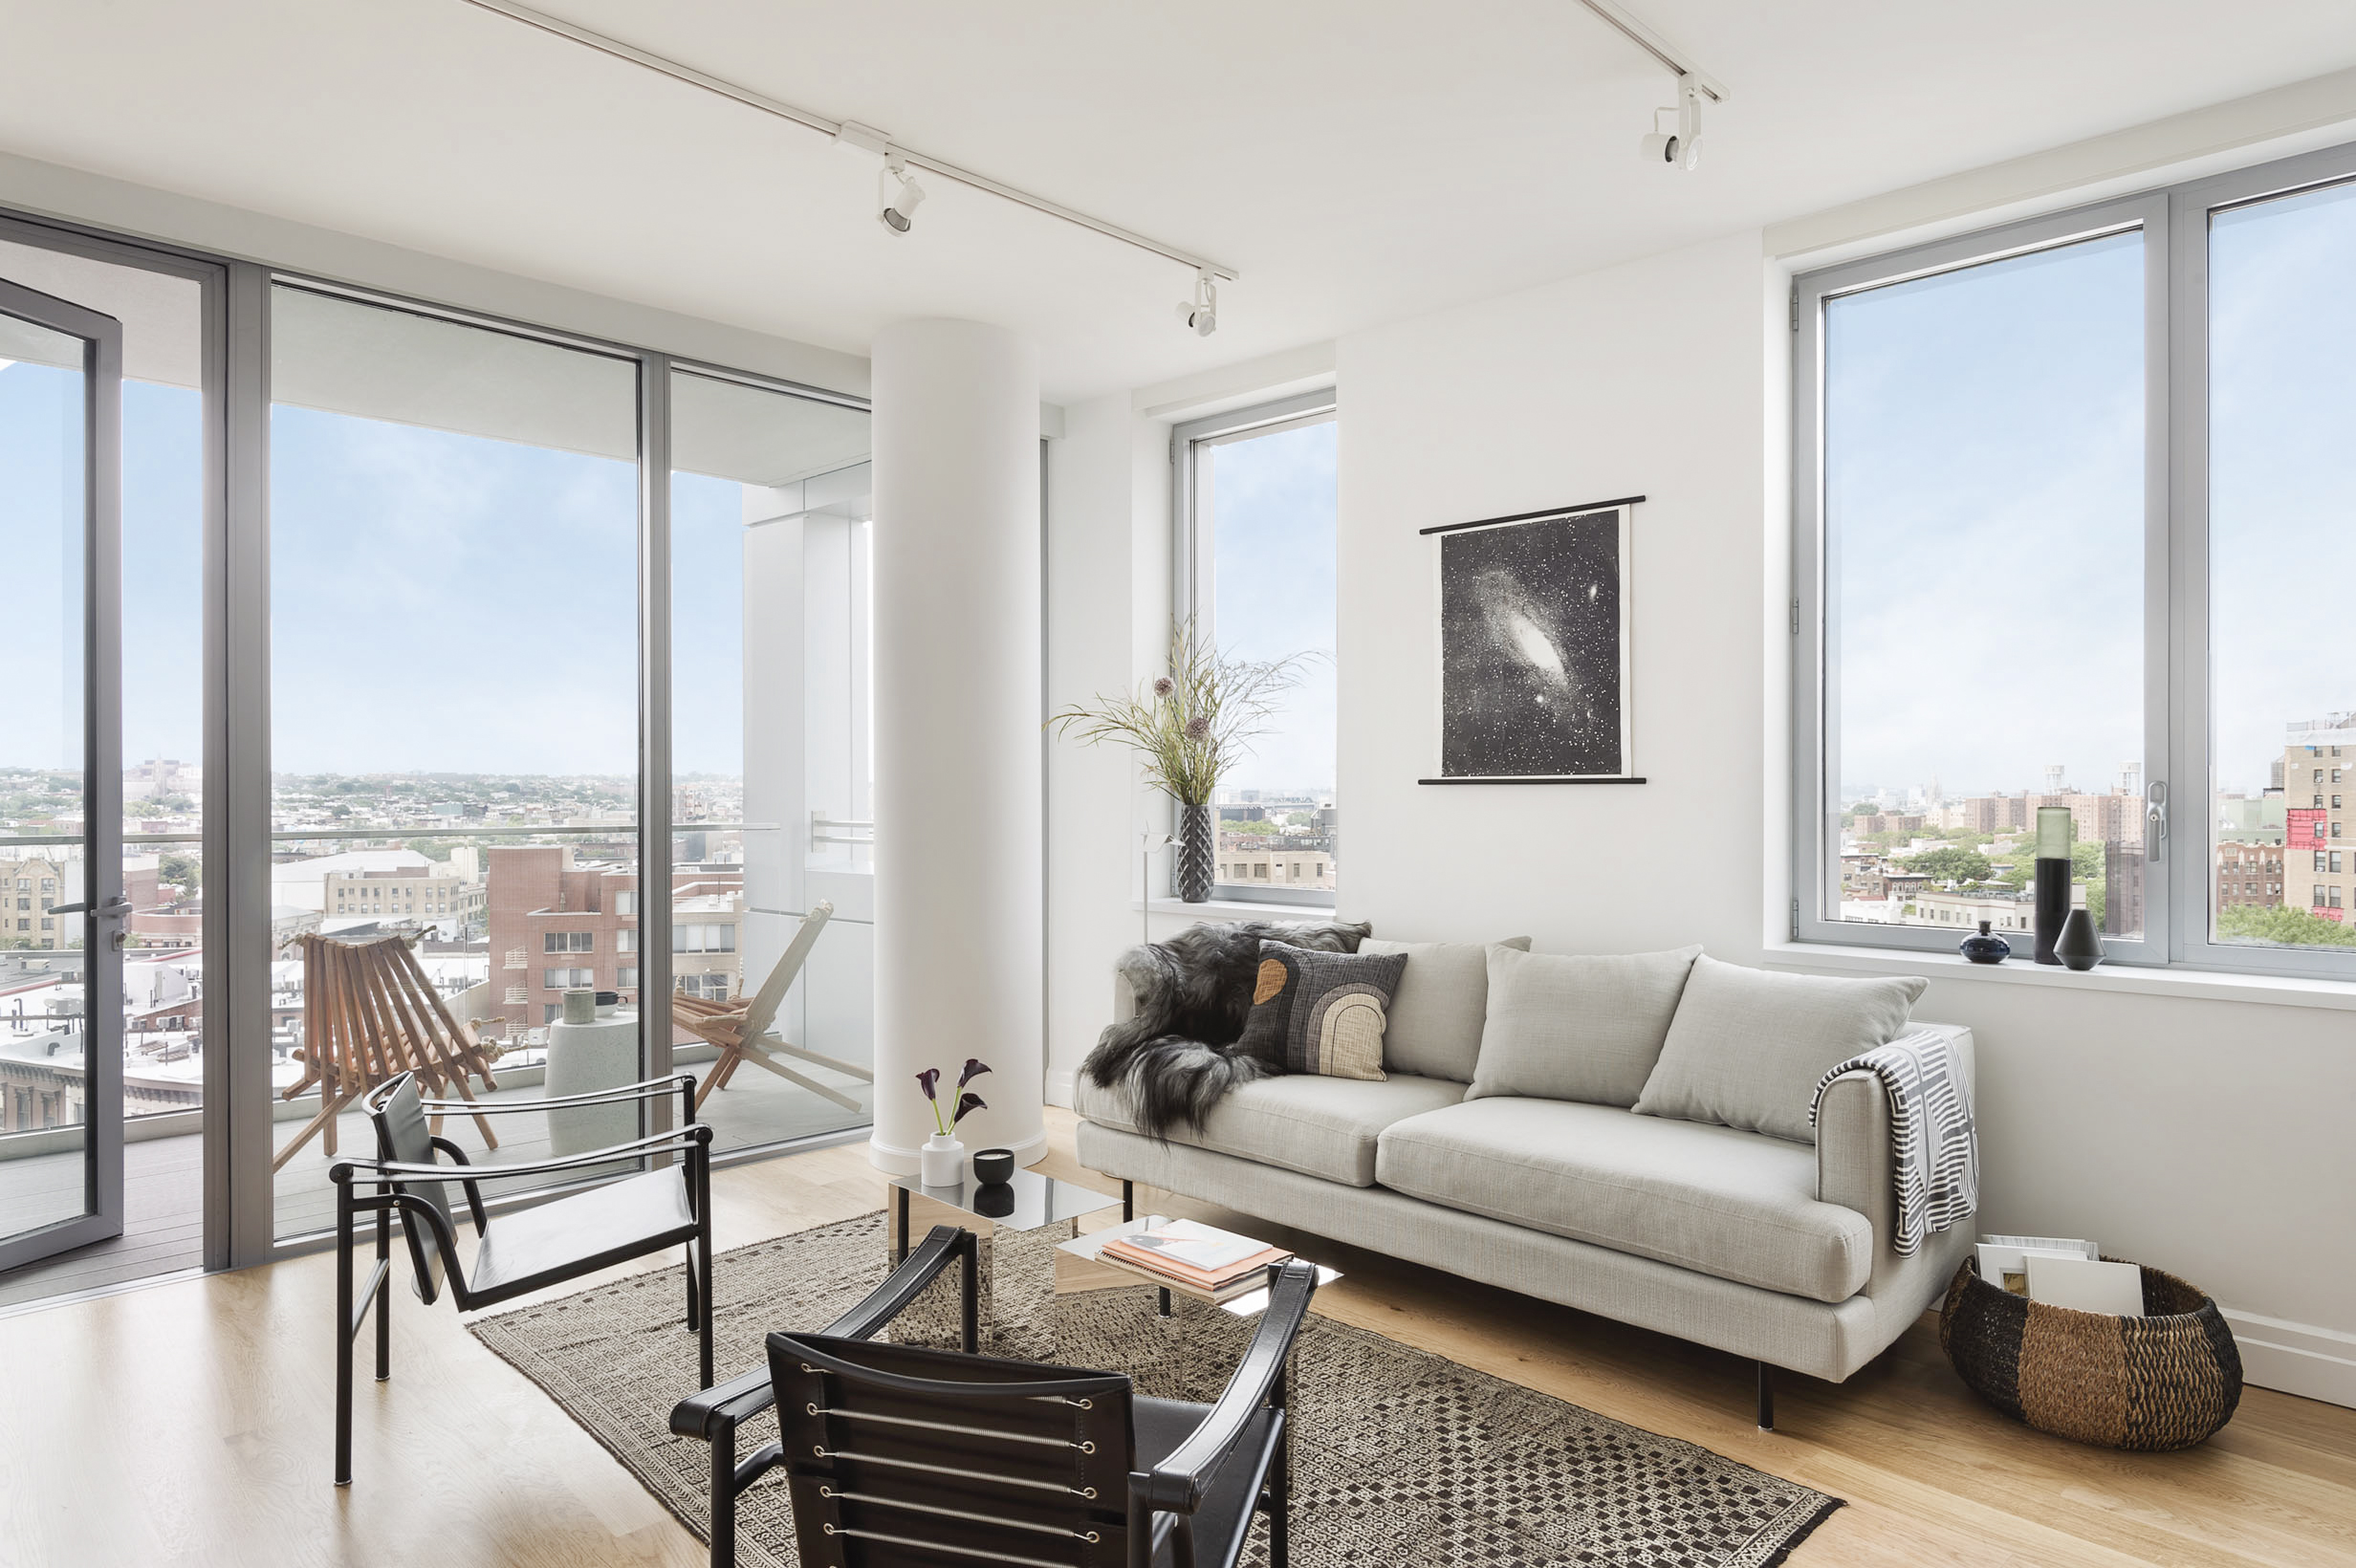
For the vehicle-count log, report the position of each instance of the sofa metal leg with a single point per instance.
(1129, 1201)
(1766, 1397)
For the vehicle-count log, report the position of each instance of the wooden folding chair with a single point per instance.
(370, 1014)
(741, 1029)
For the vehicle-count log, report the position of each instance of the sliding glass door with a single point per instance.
(62, 906)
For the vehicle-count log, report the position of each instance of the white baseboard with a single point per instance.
(2296, 1358)
(1059, 1087)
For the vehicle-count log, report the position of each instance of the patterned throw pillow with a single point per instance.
(1321, 1012)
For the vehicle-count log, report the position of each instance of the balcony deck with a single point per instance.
(164, 1181)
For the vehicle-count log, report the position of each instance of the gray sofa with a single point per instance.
(1767, 1246)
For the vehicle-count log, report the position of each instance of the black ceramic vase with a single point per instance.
(2053, 905)
(1198, 854)
(2080, 945)
(1987, 948)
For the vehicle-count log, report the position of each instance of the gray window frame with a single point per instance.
(2179, 884)
(1192, 567)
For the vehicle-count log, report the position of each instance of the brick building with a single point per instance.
(2249, 876)
(558, 921)
(2319, 771)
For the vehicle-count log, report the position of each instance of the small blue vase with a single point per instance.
(1987, 948)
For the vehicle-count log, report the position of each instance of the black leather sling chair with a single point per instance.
(528, 1248)
(897, 1454)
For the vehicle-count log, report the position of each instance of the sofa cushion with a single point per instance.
(1319, 1127)
(1321, 1012)
(1735, 1204)
(1748, 1047)
(1576, 1027)
(1437, 1012)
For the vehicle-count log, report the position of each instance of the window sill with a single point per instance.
(2201, 985)
(1237, 910)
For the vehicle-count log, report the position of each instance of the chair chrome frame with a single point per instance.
(423, 1222)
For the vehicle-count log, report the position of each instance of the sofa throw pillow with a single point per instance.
(1436, 1018)
(1747, 1047)
(1576, 1027)
(1321, 1012)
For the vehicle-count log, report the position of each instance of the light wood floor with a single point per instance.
(191, 1423)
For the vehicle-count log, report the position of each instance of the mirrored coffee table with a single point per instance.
(1029, 1202)
(1019, 1223)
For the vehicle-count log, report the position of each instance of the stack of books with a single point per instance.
(1197, 1259)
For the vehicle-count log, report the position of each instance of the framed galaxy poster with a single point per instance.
(1534, 648)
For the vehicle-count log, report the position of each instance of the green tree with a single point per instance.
(185, 869)
(1951, 864)
(2289, 927)
(2085, 864)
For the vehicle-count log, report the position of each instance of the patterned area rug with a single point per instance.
(1399, 1456)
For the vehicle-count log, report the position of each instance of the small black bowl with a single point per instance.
(993, 1165)
(992, 1200)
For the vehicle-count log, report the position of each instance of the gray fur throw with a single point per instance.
(1178, 1054)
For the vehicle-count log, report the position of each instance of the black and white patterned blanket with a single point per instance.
(1931, 1131)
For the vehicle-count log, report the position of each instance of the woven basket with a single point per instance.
(2164, 1380)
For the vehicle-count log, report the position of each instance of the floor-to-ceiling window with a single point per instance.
(435, 747)
(454, 737)
(771, 815)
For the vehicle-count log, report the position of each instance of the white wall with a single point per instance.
(1644, 380)
(1093, 810)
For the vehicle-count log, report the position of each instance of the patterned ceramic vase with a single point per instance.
(1198, 853)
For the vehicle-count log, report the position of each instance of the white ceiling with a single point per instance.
(1356, 160)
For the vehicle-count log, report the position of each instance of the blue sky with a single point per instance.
(1983, 439)
(2282, 469)
(449, 604)
(1984, 436)
(1274, 548)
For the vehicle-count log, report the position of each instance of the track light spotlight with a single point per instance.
(898, 197)
(1680, 148)
(1202, 311)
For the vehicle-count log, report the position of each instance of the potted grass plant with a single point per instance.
(1189, 728)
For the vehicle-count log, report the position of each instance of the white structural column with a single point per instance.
(958, 880)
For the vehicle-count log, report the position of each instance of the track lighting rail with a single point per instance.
(618, 50)
(1677, 61)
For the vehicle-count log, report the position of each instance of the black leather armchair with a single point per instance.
(893, 1448)
(527, 1249)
